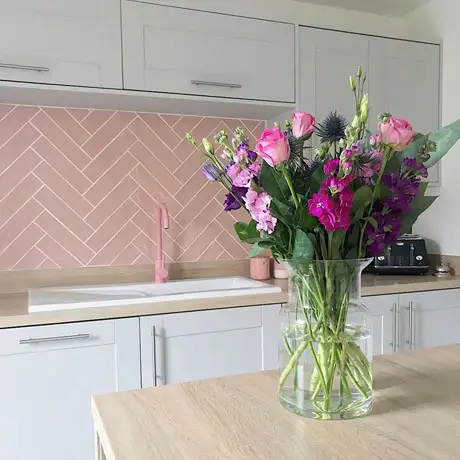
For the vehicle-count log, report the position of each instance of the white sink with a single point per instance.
(49, 299)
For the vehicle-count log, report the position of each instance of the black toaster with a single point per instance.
(406, 256)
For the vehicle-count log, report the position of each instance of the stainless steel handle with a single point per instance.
(31, 68)
(158, 364)
(154, 364)
(58, 338)
(394, 342)
(216, 83)
(410, 341)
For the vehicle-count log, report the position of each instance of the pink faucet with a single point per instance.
(162, 221)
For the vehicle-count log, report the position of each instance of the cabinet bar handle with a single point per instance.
(216, 83)
(394, 343)
(31, 68)
(54, 339)
(410, 342)
(154, 338)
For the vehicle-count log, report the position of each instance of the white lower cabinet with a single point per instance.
(384, 322)
(208, 344)
(415, 320)
(48, 375)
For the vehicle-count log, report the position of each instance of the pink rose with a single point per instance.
(273, 146)
(303, 124)
(396, 133)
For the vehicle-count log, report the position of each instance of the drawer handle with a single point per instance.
(54, 339)
(216, 83)
(31, 68)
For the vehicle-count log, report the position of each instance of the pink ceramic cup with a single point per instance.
(260, 268)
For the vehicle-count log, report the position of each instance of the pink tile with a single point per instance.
(107, 133)
(192, 187)
(60, 140)
(15, 120)
(108, 156)
(18, 144)
(5, 109)
(199, 245)
(58, 256)
(145, 246)
(154, 189)
(115, 246)
(193, 163)
(127, 257)
(112, 225)
(111, 202)
(63, 213)
(163, 131)
(154, 144)
(96, 119)
(79, 114)
(213, 251)
(207, 127)
(68, 124)
(184, 149)
(225, 256)
(31, 260)
(23, 217)
(18, 196)
(171, 120)
(63, 189)
(186, 124)
(20, 246)
(155, 168)
(143, 260)
(65, 238)
(47, 264)
(109, 180)
(62, 165)
(12, 176)
(231, 246)
(254, 126)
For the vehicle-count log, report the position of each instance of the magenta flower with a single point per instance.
(255, 168)
(335, 185)
(323, 207)
(331, 166)
(258, 204)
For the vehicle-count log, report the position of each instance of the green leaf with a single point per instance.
(445, 139)
(337, 239)
(303, 247)
(282, 211)
(255, 250)
(381, 191)
(362, 198)
(418, 206)
(316, 179)
(273, 182)
(372, 221)
(248, 233)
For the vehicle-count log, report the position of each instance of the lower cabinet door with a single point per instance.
(48, 375)
(430, 319)
(208, 344)
(385, 330)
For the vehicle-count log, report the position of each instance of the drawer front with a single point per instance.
(183, 51)
(56, 337)
(202, 322)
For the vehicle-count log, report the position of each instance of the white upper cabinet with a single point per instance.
(405, 81)
(176, 50)
(327, 59)
(67, 42)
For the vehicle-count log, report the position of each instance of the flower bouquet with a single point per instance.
(322, 218)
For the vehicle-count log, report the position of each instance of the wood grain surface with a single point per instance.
(416, 416)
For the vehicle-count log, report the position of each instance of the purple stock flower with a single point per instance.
(252, 155)
(210, 171)
(234, 200)
(418, 168)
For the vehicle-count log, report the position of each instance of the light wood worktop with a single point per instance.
(14, 287)
(416, 416)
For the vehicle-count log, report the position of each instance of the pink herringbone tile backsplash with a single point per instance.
(78, 188)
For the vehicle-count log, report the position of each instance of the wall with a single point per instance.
(441, 223)
(78, 188)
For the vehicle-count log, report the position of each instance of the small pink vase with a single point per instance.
(260, 268)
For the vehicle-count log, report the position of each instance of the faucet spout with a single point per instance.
(162, 222)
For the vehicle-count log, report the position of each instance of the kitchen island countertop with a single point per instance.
(416, 416)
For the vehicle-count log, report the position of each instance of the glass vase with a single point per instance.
(326, 341)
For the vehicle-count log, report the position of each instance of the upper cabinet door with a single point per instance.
(63, 42)
(405, 81)
(175, 50)
(327, 59)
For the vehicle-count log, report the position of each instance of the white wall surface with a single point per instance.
(311, 15)
(441, 223)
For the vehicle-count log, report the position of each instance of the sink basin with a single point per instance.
(49, 299)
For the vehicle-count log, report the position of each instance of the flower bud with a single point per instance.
(191, 139)
(355, 122)
(208, 146)
(359, 72)
(352, 83)
(364, 109)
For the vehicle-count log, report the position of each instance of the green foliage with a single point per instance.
(303, 247)
(282, 211)
(444, 139)
(362, 198)
(273, 182)
(418, 206)
(248, 233)
(255, 250)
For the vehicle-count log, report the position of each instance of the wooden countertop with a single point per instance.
(416, 416)
(14, 288)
